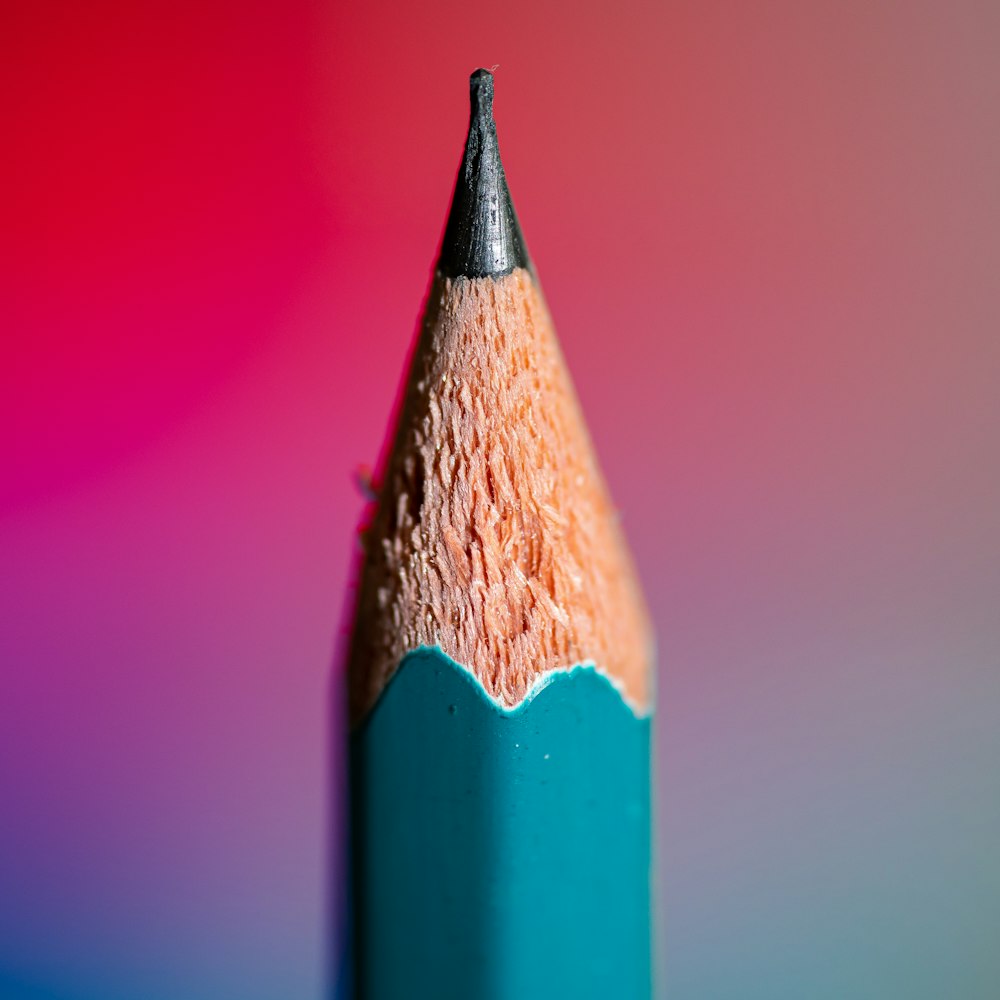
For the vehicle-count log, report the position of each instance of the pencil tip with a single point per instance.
(482, 237)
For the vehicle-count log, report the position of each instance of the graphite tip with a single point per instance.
(482, 237)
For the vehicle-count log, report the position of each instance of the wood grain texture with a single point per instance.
(494, 536)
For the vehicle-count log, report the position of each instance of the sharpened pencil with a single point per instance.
(500, 673)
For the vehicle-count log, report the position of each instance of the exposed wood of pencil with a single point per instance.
(494, 536)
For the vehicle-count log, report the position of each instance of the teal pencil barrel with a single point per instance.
(500, 854)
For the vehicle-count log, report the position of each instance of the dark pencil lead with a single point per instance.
(482, 237)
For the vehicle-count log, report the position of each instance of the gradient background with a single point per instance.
(768, 234)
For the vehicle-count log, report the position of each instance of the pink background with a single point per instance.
(768, 234)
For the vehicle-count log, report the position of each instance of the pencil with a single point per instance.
(500, 668)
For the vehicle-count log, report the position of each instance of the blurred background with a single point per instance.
(768, 234)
